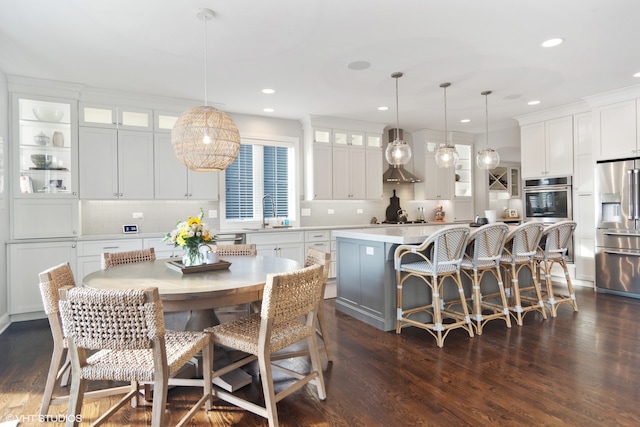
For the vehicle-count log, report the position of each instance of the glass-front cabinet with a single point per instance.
(463, 186)
(44, 147)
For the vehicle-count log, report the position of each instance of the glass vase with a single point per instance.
(192, 257)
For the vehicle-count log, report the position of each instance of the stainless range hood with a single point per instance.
(399, 175)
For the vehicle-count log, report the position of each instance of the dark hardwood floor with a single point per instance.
(579, 369)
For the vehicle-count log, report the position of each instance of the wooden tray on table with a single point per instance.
(179, 267)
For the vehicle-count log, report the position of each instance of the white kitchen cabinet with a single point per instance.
(89, 253)
(112, 116)
(373, 174)
(162, 249)
(174, 181)
(163, 121)
(322, 172)
(615, 130)
(438, 182)
(463, 209)
(115, 164)
(324, 241)
(505, 178)
(463, 179)
(25, 261)
(37, 219)
(349, 165)
(584, 237)
(547, 148)
(287, 244)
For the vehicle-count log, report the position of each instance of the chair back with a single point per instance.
(115, 319)
(449, 244)
(487, 242)
(556, 238)
(289, 296)
(51, 281)
(523, 241)
(128, 257)
(233, 250)
(318, 257)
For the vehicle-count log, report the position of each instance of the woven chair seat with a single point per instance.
(425, 267)
(467, 263)
(130, 365)
(508, 259)
(243, 334)
(540, 254)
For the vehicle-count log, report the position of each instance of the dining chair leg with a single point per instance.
(322, 330)
(76, 396)
(266, 377)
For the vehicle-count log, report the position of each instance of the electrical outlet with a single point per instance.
(138, 215)
(305, 212)
(359, 211)
(331, 212)
(213, 213)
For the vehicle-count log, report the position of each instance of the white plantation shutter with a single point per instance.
(239, 185)
(276, 177)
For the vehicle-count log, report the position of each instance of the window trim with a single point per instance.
(265, 140)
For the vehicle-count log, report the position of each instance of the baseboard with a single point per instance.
(4, 322)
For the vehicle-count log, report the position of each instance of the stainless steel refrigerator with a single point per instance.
(617, 193)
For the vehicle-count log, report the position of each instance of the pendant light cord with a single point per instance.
(205, 60)
(446, 133)
(397, 113)
(486, 94)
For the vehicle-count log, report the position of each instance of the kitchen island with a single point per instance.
(366, 281)
(366, 276)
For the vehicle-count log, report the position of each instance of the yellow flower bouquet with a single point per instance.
(190, 235)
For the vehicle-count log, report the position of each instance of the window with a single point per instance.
(262, 168)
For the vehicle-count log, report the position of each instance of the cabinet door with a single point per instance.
(98, 165)
(357, 175)
(203, 185)
(438, 182)
(584, 238)
(615, 130)
(25, 262)
(96, 115)
(44, 218)
(373, 174)
(170, 175)
(463, 209)
(322, 172)
(559, 146)
(135, 165)
(533, 150)
(341, 175)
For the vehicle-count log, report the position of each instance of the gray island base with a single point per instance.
(366, 277)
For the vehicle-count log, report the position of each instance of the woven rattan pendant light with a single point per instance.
(204, 138)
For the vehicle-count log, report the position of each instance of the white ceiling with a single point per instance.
(301, 48)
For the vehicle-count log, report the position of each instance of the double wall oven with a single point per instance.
(549, 200)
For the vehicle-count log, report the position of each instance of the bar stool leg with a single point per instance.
(398, 302)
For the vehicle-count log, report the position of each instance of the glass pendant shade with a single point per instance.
(446, 156)
(398, 153)
(488, 159)
(204, 138)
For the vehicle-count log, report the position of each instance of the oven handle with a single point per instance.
(547, 188)
(612, 233)
(622, 253)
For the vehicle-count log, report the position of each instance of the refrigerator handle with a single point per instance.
(631, 195)
(635, 199)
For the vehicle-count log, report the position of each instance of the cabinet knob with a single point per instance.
(186, 195)
(73, 245)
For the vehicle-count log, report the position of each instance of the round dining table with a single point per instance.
(197, 292)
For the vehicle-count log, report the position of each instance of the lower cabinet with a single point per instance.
(322, 240)
(25, 261)
(288, 244)
(90, 252)
(38, 218)
(161, 249)
(361, 277)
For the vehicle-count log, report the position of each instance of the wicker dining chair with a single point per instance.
(51, 281)
(126, 328)
(288, 297)
(109, 260)
(553, 248)
(434, 261)
(248, 249)
(519, 250)
(484, 250)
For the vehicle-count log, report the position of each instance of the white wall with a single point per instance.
(4, 200)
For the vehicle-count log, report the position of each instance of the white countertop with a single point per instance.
(401, 235)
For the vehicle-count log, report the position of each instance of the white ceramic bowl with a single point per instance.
(48, 114)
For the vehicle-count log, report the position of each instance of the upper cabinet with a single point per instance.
(505, 178)
(547, 148)
(45, 150)
(110, 116)
(615, 130)
(463, 178)
(342, 159)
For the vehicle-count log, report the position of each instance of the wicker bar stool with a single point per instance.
(484, 250)
(438, 258)
(109, 260)
(553, 249)
(51, 281)
(126, 327)
(519, 250)
(288, 297)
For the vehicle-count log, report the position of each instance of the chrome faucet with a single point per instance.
(273, 209)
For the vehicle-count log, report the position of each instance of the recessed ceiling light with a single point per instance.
(359, 65)
(465, 120)
(536, 102)
(268, 110)
(268, 91)
(552, 42)
(636, 74)
(383, 108)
